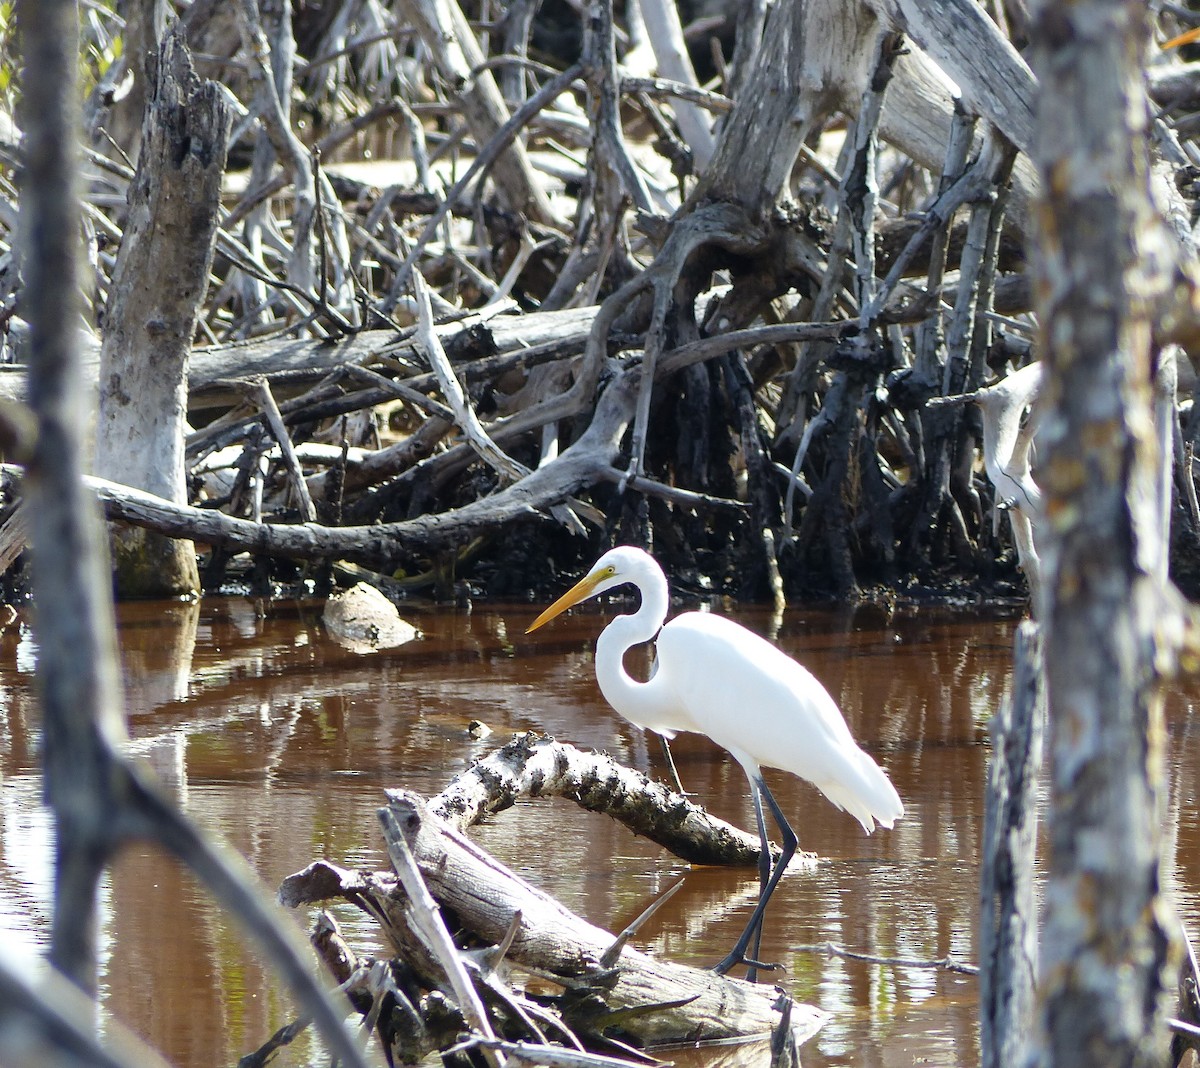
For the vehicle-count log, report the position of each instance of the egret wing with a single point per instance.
(769, 710)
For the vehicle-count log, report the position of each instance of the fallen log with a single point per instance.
(590, 460)
(379, 545)
(608, 989)
(529, 766)
(552, 334)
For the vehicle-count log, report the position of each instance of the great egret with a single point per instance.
(713, 676)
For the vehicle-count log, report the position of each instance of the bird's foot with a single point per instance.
(735, 960)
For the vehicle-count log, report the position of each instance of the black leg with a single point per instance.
(737, 955)
(764, 876)
(666, 748)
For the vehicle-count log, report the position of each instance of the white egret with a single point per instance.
(714, 677)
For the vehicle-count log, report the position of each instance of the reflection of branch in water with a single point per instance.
(832, 949)
(708, 908)
(613, 953)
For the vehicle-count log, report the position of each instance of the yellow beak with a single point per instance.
(1184, 38)
(581, 591)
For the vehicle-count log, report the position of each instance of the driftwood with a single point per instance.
(482, 346)
(604, 991)
(713, 1006)
(600, 213)
(589, 458)
(529, 767)
(641, 999)
(608, 991)
(449, 38)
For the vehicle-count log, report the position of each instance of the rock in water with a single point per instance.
(363, 619)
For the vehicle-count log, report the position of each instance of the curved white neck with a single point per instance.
(636, 701)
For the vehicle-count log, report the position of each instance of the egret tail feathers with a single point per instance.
(869, 796)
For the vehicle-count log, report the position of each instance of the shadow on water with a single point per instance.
(282, 741)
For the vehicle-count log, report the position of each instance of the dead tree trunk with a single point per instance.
(99, 799)
(76, 643)
(1107, 931)
(158, 285)
(1007, 904)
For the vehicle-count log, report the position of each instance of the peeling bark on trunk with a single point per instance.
(1008, 905)
(1106, 936)
(159, 282)
(810, 51)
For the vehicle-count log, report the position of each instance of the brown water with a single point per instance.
(281, 741)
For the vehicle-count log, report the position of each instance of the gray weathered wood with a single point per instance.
(449, 38)
(210, 369)
(812, 54)
(1007, 903)
(77, 655)
(158, 284)
(588, 460)
(485, 895)
(967, 45)
(99, 799)
(530, 767)
(670, 50)
(1099, 261)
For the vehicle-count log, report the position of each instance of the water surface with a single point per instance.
(282, 742)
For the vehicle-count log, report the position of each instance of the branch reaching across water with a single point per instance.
(529, 767)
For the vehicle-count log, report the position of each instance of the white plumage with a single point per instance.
(714, 677)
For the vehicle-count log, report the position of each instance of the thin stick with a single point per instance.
(832, 949)
(487, 156)
(613, 953)
(427, 921)
(260, 391)
(464, 414)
